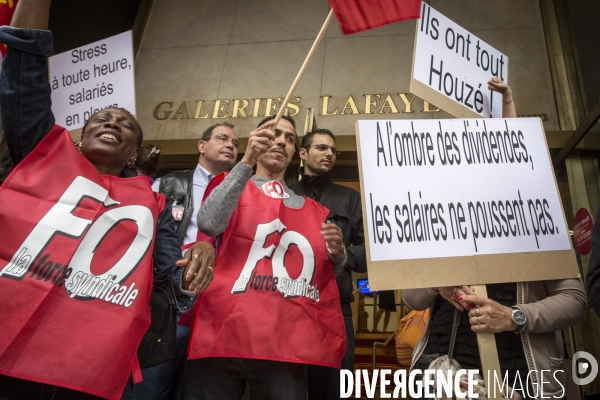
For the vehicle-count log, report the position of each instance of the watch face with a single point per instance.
(519, 317)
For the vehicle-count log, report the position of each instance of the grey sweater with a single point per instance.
(549, 305)
(216, 211)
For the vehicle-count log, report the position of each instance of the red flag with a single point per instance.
(360, 15)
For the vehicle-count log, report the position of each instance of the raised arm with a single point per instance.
(214, 215)
(24, 90)
(508, 104)
(31, 14)
(216, 210)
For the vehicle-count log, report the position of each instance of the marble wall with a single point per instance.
(251, 50)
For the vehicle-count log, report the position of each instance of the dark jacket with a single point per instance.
(592, 280)
(177, 188)
(5, 160)
(345, 211)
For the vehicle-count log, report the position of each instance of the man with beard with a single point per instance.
(273, 306)
(319, 155)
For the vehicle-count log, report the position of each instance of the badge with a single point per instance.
(275, 190)
(177, 212)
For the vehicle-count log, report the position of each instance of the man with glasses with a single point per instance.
(218, 150)
(273, 306)
(319, 154)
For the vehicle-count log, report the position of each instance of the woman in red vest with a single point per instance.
(78, 235)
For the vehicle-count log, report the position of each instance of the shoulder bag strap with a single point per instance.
(455, 324)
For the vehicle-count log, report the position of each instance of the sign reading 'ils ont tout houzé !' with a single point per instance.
(461, 201)
(451, 68)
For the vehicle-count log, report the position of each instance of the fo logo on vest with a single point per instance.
(79, 280)
(281, 280)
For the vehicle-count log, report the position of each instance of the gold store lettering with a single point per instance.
(258, 107)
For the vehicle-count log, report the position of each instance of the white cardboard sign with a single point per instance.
(92, 77)
(449, 188)
(455, 64)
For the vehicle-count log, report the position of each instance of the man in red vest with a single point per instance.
(273, 306)
(78, 238)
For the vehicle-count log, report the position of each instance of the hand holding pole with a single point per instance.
(301, 72)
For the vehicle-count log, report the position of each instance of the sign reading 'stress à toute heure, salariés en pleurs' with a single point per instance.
(92, 77)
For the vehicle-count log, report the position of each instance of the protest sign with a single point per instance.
(451, 68)
(583, 224)
(452, 202)
(90, 78)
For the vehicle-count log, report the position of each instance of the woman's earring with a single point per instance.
(132, 160)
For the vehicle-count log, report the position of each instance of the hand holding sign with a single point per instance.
(508, 105)
(496, 84)
(452, 293)
(488, 315)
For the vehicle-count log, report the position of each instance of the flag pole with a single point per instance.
(303, 68)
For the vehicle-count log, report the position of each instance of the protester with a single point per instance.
(146, 161)
(217, 153)
(592, 281)
(536, 311)
(77, 254)
(217, 150)
(273, 306)
(319, 155)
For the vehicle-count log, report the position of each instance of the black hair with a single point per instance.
(307, 139)
(270, 117)
(147, 159)
(206, 135)
(140, 136)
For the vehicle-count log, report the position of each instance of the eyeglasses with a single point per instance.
(223, 138)
(324, 148)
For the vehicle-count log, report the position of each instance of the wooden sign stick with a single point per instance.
(303, 68)
(488, 353)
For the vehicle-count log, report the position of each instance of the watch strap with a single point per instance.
(521, 326)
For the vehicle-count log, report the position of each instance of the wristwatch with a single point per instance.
(519, 318)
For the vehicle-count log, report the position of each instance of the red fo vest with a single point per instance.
(274, 294)
(75, 270)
